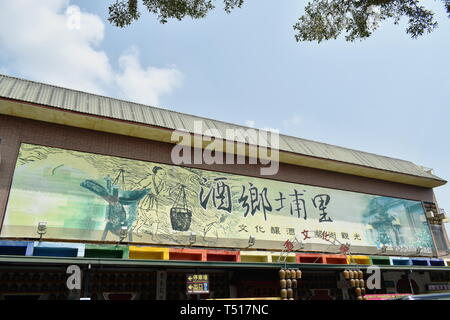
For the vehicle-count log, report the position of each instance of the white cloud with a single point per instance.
(141, 84)
(54, 42)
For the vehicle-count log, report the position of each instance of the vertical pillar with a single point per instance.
(345, 295)
(409, 277)
(161, 284)
(435, 249)
(442, 225)
(233, 289)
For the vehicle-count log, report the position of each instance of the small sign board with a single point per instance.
(197, 283)
(438, 287)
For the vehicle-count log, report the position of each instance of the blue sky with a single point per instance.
(385, 95)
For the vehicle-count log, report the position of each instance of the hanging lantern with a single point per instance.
(288, 274)
(350, 274)
(282, 274)
(361, 275)
(288, 283)
(283, 293)
(283, 283)
(290, 293)
(358, 291)
(298, 274)
(361, 283)
(352, 283)
(346, 275)
(293, 274)
(294, 284)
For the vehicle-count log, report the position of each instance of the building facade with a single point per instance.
(98, 175)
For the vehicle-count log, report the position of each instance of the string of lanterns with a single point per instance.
(355, 278)
(288, 283)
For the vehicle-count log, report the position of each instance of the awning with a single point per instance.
(163, 264)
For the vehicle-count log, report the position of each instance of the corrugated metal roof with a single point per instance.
(57, 97)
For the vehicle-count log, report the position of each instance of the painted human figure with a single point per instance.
(116, 214)
(149, 206)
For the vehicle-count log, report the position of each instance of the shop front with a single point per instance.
(88, 186)
(47, 279)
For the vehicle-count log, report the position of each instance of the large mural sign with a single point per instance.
(86, 196)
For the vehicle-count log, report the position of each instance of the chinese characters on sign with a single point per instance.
(328, 236)
(254, 200)
(219, 192)
(197, 283)
(257, 199)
